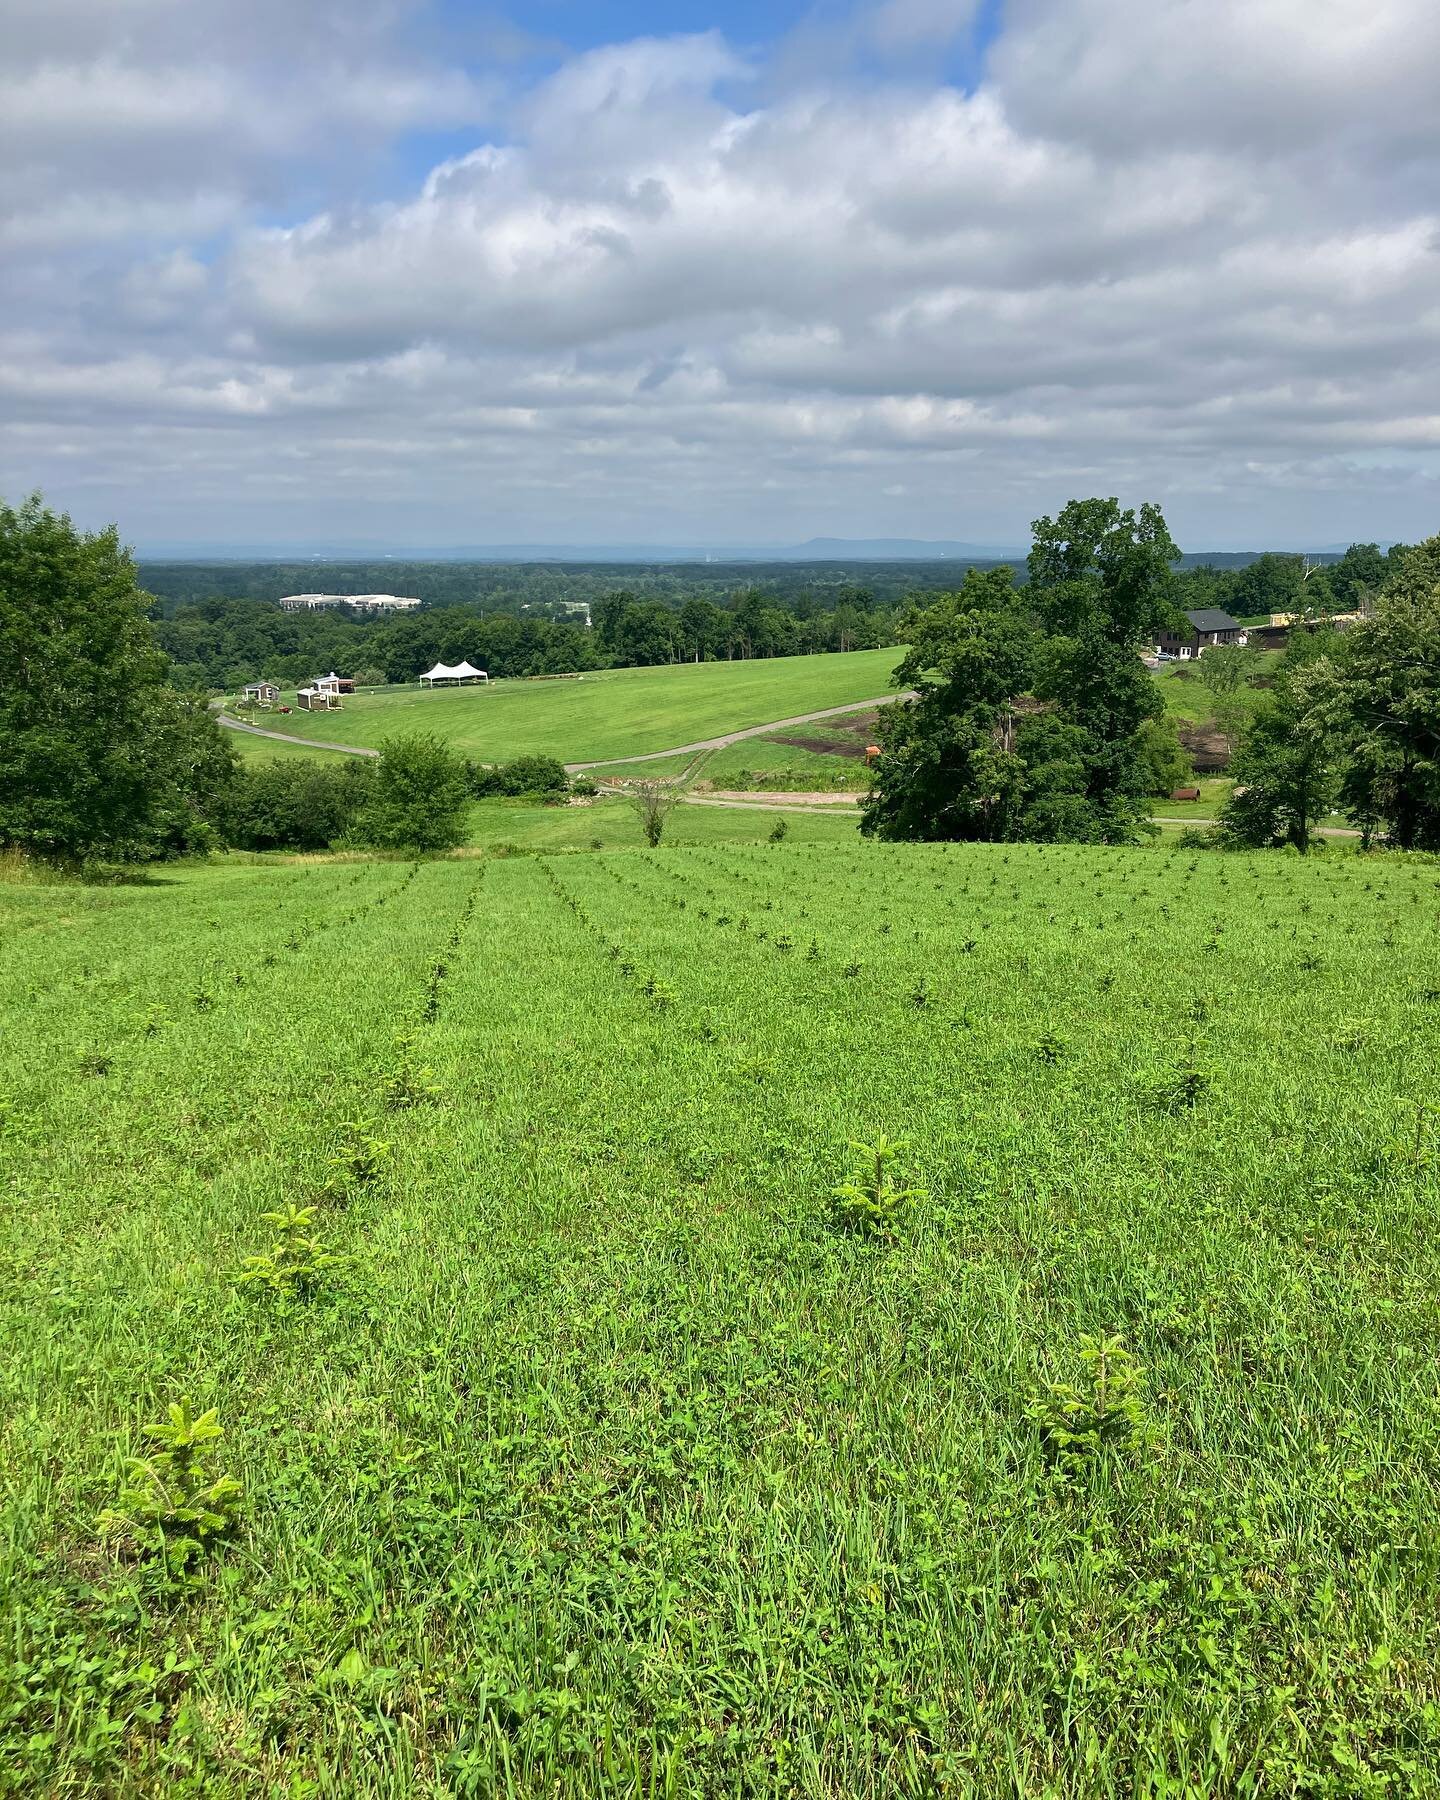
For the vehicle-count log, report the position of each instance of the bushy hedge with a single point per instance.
(525, 775)
(299, 804)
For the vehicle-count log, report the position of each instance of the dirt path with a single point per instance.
(774, 797)
(727, 738)
(774, 803)
(284, 737)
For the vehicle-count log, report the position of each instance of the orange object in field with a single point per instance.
(871, 752)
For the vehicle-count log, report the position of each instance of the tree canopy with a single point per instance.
(417, 798)
(1031, 703)
(100, 758)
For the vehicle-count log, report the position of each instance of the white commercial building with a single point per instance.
(361, 602)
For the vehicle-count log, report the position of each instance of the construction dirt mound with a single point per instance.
(849, 736)
(1207, 746)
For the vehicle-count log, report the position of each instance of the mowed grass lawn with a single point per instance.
(621, 712)
(264, 749)
(609, 1460)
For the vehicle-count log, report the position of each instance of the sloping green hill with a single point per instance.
(617, 713)
(613, 1455)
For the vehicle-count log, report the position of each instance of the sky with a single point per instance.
(417, 275)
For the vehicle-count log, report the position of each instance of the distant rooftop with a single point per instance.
(1212, 618)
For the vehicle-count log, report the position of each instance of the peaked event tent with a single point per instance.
(461, 672)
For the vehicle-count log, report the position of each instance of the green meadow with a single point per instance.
(585, 1440)
(612, 713)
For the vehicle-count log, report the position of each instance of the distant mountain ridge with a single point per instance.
(820, 549)
(816, 550)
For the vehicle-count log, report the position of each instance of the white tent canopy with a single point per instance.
(461, 672)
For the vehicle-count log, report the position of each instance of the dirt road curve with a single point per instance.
(735, 737)
(284, 737)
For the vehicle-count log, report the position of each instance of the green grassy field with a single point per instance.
(621, 712)
(615, 826)
(260, 749)
(1189, 701)
(614, 1460)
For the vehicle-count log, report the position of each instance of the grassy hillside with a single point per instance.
(613, 1459)
(261, 749)
(622, 712)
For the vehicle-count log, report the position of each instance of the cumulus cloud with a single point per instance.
(1175, 251)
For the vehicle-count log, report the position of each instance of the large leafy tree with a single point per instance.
(974, 756)
(950, 767)
(1287, 765)
(1102, 583)
(1032, 707)
(1381, 693)
(99, 757)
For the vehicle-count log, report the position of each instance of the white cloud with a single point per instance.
(1163, 249)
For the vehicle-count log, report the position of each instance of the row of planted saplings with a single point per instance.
(204, 996)
(172, 1502)
(658, 992)
(917, 995)
(1176, 1087)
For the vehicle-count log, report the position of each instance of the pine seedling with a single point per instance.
(171, 1503)
(1106, 1406)
(296, 1261)
(361, 1155)
(870, 1202)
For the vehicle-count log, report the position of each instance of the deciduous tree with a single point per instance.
(99, 757)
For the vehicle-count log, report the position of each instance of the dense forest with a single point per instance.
(220, 626)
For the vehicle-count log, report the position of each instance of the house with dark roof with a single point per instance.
(1207, 626)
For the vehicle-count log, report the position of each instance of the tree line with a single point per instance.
(1034, 716)
(220, 642)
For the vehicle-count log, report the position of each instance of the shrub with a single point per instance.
(525, 775)
(652, 801)
(417, 798)
(298, 805)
